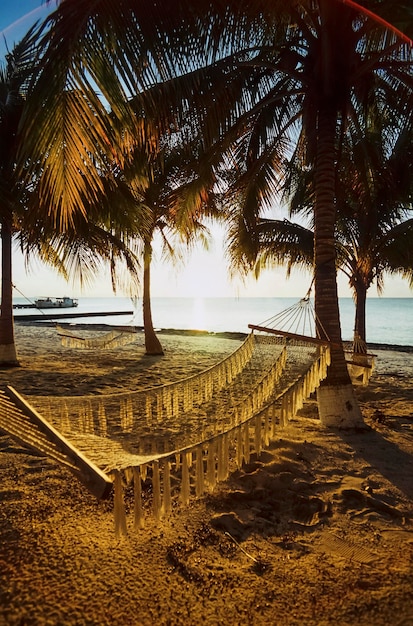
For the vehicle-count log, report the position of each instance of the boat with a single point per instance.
(56, 303)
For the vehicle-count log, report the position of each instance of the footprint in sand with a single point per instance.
(360, 499)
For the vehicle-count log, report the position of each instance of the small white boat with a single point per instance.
(56, 303)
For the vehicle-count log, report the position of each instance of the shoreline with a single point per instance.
(187, 332)
(100, 327)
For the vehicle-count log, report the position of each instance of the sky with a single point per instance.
(205, 273)
(17, 16)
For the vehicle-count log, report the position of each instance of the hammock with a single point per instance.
(112, 339)
(360, 363)
(181, 438)
(299, 321)
(40, 435)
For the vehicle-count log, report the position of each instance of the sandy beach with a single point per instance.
(317, 530)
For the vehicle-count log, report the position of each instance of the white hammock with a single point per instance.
(299, 322)
(360, 363)
(111, 339)
(183, 437)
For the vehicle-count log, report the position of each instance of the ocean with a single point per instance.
(389, 320)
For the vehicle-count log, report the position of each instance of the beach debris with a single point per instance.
(339, 546)
(378, 417)
(260, 565)
(229, 523)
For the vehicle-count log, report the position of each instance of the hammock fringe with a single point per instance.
(263, 385)
(233, 447)
(111, 339)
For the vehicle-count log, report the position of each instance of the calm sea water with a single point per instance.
(389, 320)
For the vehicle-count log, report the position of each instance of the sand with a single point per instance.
(316, 531)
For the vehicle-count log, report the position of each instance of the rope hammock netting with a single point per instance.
(104, 341)
(360, 363)
(183, 437)
(299, 320)
(108, 340)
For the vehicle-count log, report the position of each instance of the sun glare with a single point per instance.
(14, 32)
(22, 21)
(198, 316)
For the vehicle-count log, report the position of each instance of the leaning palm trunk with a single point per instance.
(337, 404)
(360, 315)
(152, 343)
(8, 354)
(359, 355)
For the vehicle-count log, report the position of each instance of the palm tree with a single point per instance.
(258, 74)
(177, 192)
(367, 250)
(161, 191)
(325, 74)
(14, 77)
(374, 193)
(80, 248)
(374, 206)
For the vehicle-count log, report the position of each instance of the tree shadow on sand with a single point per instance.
(385, 456)
(300, 486)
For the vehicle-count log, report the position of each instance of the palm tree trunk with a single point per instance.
(152, 343)
(359, 356)
(337, 404)
(360, 317)
(8, 354)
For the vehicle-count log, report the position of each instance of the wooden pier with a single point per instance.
(58, 315)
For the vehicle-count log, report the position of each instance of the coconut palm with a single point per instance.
(76, 251)
(327, 76)
(14, 77)
(161, 191)
(375, 214)
(367, 251)
(374, 193)
(178, 189)
(374, 230)
(258, 74)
